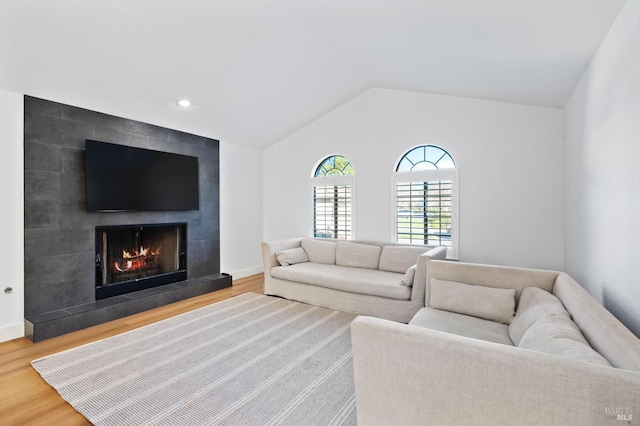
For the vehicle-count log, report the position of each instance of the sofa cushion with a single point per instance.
(292, 256)
(400, 258)
(558, 335)
(604, 332)
(534, 303)
(494, 304)
(358, 255)
(320, 251)
(353, 280)
(407, 279)
(462, 325)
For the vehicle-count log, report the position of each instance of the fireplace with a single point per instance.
(136, 257)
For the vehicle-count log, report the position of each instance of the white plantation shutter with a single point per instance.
(424, 212)
(332, 211)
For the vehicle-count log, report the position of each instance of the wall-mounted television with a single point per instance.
(125, 178)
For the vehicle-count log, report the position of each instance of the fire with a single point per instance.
(140, 259)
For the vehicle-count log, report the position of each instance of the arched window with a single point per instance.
(332, 188)
(426, 198)
(336, 165)
(425, 157)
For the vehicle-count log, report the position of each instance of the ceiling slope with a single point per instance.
(257, 70)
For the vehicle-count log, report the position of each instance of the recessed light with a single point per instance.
(184, 103)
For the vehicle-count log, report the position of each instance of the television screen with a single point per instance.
(124, 178)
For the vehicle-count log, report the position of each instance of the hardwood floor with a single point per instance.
(26, 399)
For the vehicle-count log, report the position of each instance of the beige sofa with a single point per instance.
(452, 365)
(384, 280)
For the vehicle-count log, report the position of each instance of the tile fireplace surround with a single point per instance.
(60, 282)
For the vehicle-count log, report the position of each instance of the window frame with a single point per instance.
(429, 175)
(332, 181)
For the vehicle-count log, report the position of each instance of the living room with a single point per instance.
(545, 155)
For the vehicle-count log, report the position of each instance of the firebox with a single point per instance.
(136, 257)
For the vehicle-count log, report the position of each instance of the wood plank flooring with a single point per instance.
(26, 399)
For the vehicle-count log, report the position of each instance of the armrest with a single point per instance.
(270, 248)
(420, 279)
(412, 376)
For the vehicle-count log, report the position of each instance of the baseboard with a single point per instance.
(246, 272)
(12, 331)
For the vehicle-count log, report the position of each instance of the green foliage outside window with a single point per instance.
(336, 165)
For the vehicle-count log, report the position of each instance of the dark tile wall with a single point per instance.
(59, 232)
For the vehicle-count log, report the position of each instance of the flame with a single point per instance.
(140, 259)
(144, 251)
(126, 267)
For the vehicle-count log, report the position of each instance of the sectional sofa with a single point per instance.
(384, 280)
(497, 346)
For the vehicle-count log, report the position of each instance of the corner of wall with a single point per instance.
(12, 215)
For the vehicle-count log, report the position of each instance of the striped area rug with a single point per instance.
(249, 360)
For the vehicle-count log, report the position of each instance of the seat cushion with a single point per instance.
(344, 278)
(462, 325)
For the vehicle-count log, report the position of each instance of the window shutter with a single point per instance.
(332, 211)
(424, 212)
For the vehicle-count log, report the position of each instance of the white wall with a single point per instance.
(240, 210)
(509, 158)
(11, 215)
(602, 127)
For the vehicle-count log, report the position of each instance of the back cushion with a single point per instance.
(399, 259)
(358, 255)
(494, 304)
(604, 332)
(558, 335)
(534, 303)
(291, 256)
(320, 251)
(407, 279)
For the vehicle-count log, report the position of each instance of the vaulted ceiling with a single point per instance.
(257, 70)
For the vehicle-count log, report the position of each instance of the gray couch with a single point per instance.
(384, 280)
(498, 346)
